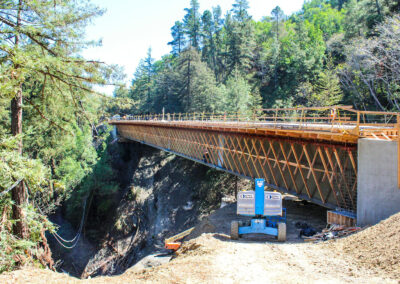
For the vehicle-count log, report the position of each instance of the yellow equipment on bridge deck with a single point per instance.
(171, 243)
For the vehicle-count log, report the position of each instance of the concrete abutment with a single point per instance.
(378, 195)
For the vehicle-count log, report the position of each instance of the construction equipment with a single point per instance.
(172, 242)
(266, 209)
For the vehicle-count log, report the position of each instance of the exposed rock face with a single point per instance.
(160, 196)
(155, 206)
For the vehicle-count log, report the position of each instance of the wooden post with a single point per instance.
(398, 150)
(236, 187)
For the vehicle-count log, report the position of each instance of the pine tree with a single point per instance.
(142, 84)
(218, 42)
(208, 51)
(239, 38)
(186, 69)
(40, 42)
(239, 97)
(327, 89)
(192, 24)
(178, 35)
(239, 10)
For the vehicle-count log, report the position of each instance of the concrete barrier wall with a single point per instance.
(378, 196)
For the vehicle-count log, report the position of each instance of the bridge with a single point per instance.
(312, 153)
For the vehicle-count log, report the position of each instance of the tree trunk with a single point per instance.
(378, 8)
(18, 193)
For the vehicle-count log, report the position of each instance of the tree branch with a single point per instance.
(45, 118)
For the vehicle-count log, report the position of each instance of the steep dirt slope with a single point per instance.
(377, 247)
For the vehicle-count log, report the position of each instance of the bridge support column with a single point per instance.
(378, 195)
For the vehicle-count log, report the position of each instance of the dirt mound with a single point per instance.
(377, 247)
(36, 275)
(205, 226)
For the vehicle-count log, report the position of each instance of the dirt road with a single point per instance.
(216, 259)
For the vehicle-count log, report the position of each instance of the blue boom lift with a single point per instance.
(265, 208)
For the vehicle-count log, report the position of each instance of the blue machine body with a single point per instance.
(262, 224)
(259, 196)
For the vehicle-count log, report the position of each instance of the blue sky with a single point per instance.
(130, 27)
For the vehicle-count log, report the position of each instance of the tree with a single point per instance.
(186, 70)
(178, 35)
(239, 97)
(208, 51)
(327, 89)
(372, 67)
(239, 9)
(40, 41)
(278, 15)
(218, 40)
(239, 39)
(192, 24)
(329, 20)
(142, 84)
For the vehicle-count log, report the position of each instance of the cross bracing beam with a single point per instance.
(320, 171)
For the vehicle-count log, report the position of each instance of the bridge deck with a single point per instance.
(334, 132)
(311, 156)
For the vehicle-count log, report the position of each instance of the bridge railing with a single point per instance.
(342, 119)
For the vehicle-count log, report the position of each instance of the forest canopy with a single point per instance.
(330, 52)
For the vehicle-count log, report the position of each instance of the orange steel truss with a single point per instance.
(311, 156)
(322, 173)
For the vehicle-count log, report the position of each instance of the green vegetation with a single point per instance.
(331, 52)
(48, 114)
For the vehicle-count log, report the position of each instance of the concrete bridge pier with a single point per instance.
(378, 195)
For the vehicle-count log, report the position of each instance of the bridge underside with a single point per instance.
(322, 172)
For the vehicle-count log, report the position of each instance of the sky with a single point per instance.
(130, 27)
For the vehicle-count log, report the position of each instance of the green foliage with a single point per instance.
(15, 167)
(327, 90)
(40, 62)
(322, 16)
(98, 188)
(239, 97)
(192, 23)
(278, 61)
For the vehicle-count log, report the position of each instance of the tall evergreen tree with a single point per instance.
(142, 84)
(40, 41)
(192, 23)
(218, 22)
(178, 35)
(239, 38)
(186, 70)
(208, 50)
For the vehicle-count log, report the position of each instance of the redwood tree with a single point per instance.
(40, 43)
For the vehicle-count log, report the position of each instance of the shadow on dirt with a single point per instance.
(298, 212)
